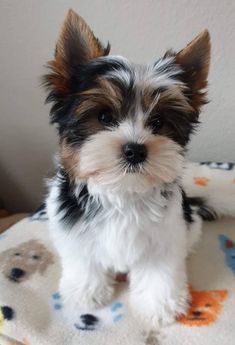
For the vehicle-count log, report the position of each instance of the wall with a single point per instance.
(140, 30)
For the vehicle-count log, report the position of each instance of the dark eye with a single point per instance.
(207, 305)
(105, 117)
(17, 254)
(36, 257)
(156, 123)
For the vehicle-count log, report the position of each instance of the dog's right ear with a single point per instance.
(76, 46)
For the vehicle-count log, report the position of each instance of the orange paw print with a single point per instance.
(201, 181)
(205, 307)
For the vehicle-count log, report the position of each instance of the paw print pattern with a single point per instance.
(6, 314)
(57, 303)
(100, 318)
(205, 308)
(19, 263)
(93, 320)
(219, 165)
(228, 247)
(201, 181)
(116, 309)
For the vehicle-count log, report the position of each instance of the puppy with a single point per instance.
(116, 203)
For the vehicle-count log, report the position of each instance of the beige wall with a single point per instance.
(140, 29)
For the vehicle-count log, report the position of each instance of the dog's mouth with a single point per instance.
(132, 168)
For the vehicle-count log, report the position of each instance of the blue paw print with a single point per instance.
(100, 318)
(228, 247)
(116, 310)
(57, 301)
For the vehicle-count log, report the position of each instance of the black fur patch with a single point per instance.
(40, 213)
(187, 209)
(74, 207)
(206, 213)
(203, 210)
(180, 125)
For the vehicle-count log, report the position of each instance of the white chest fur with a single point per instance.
(127, 228)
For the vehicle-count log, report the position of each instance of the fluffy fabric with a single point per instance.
(31, 308)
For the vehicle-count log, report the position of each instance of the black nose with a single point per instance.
(197, 313)
(17, 273)
(134, 153)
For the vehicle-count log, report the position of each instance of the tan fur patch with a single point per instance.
(70, 160)
(105, 95)
(76, 45)
(164, 157)
(195, 60)
(76, 25)
(173, 98)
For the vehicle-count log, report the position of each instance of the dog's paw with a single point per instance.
(88, 320)
(157, 315)
(102, 296)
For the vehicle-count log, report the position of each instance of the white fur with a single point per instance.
(141, 234)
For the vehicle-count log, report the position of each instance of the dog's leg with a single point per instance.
(159, 290)
(84, 287)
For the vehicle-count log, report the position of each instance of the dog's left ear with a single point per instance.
(194, 60)
(77, 45)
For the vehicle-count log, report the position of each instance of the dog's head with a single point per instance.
(122, 126)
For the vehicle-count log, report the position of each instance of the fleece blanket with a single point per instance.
(31, 307)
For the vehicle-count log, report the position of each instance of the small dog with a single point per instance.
(116, 203)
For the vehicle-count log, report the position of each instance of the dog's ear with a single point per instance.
(194, 60)
(76, 45)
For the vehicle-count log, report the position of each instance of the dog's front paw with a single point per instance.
(84, 301)
(164, 311)
(100, 297)
(100, 318)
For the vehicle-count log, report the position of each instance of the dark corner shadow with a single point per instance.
(12, 196)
